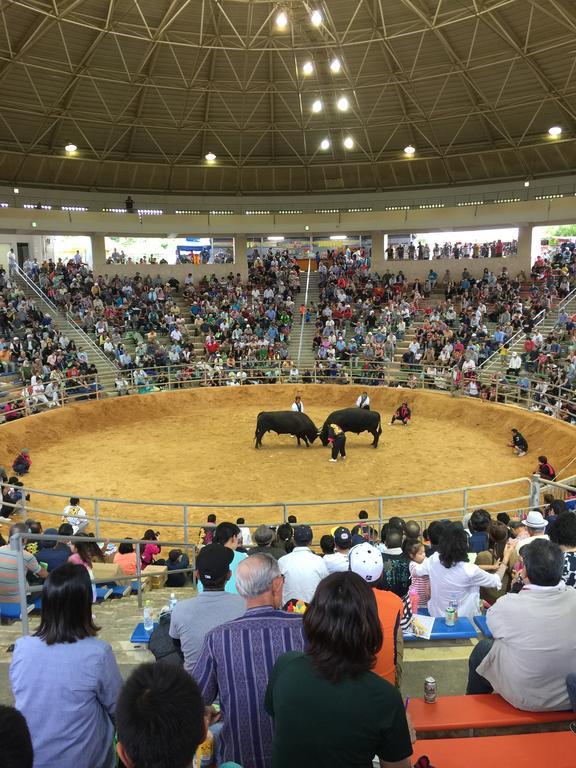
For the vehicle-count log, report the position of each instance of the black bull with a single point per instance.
(354, 420)
(286, 423)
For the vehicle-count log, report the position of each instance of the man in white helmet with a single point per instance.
(366, 561)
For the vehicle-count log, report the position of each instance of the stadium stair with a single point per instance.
(307, 356)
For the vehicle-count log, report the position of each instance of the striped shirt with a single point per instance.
(9, 572)
(234, 665)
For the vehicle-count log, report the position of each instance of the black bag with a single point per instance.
(162, 645)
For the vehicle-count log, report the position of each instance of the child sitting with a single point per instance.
(22, 462)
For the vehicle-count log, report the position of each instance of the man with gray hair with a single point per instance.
(237, 658)
(263, 537)
(9, 592)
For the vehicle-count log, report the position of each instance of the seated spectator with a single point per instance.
(53, 553)
(151, 549)
(82, 554)
(263, 536)
(9, 591)
(339, 560)
(537, 626)
(65, 656)
(563, 533)
(454, 578)
(490, 560)
(396, 573)
(545, 469)
(15, 739)
(435, 531)
(302, 569)
(125, 558)
(161, 718)
(478, 526)
(327, 544)
(206, 534)
(177, 560)
(245, 534)
(285, 537)
(76, 516)
(415, 552)
(366, 561)
(535, 525)
(228, 535)
(192, 619)
(237, 659)
(353, 714)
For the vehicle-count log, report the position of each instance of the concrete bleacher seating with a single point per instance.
(482, 625)
(462, 629)
(527, 750)
(12, 610)
(140, 636)
(471, 714)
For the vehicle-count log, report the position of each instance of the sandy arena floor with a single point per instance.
(198, 446)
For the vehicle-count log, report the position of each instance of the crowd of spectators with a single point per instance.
(279, 635)
(421, 250)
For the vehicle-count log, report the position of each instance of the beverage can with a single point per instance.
(430, 690)
(205, 753)
(450, 616)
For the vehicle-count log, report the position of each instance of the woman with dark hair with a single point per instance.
(125, 558)
(563, 532)
(151, 548)
(285, 538)
(82, 555)
(490, 560)
(355, 713)
(70, 707)
(453, 578)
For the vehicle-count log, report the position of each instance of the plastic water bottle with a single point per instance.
(148, 616)
(453, 604)
(173, 600)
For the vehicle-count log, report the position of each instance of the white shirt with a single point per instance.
(337, 562)
(302, 571)
(461, 582)
(361, 403)
(528, 540)
(72, 515)
(246, 535)
(296, 408)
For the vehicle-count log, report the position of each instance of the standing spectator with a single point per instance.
(244, 532)
(237, 659)
(228, 535)
(415, 552)
(82, 554)
(563, 533)
(490, 560)
(206, 534)
(75, 515)
(396, 573)
(339, 560)
(192, 619)
(9, 592)
(302, 569)
(353, 714)
(366, 561)
(263, 536)
(536, 625)
(65, 656)
(454, 578)
(161, 718)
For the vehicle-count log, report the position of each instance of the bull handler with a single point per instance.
(337, 440)
(403, 414)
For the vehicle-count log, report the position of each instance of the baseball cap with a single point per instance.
(366, 561)
(342, 537)
(303, 534)
(263, 534)
(535, 519)
(213, 562)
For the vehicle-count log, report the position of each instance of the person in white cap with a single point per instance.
(366, 561)
(535, 524)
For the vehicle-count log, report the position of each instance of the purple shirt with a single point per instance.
(234, 665)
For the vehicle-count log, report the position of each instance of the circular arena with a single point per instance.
(219, 218)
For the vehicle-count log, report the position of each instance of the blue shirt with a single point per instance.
(67, 692)
(234, 665)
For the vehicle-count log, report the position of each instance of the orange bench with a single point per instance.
(528, 750)
(461, 713)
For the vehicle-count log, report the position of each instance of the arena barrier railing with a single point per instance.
(18, 541)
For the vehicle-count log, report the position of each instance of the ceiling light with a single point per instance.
(335, 65)
(210, 157)
(555, 130)
(316, 18)
(527, 183)
(338, 237)
(281, 20)
(325, 144)
(348, 142)
(317, 106)
(276, 238)
(16, 191)
(409, 150)
(70, 148)
(34, 224)
(308, 68)
(343, 104)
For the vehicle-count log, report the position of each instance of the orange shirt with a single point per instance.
(127, 562)
(390, 609)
